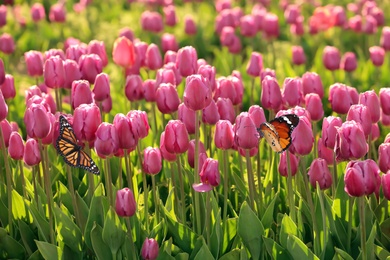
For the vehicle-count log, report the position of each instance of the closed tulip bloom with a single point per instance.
(8, 87)
(101, 89)
(149, 87)
(292, 92)
(32, 154)
(236, 46)
(37, 12)
(257, 114)
(151, 21)
(189, 25)
(331, 58)
(226, 109)
(348, 62)
(210, 114)
(57, 13)
(225, 89)
(245, 133)
(360, 114)
(248, 26)
(370, 25)
(81, 93)
(7, 43)
(298, 55)
(125, 205)
(339, 16)
(7, 130)
(54, 73)
(187, 116)
(170, 157)
(74, 52)
(172, 66)
(123, 52)
(106, 142)
(191, 154)
(169, 43)
(329, 130)
(291, 13)
(176, 137)
(255, 64)
(386, 185)
(271, 96)
(385, 119)
(107, 105)
(208, 72)
(371, 100)
(54, 52)
(361, 178)
(341, 97)
(385, 38)
(350, 142)
(153, 57)
(283, 165)
(313, 104)
(149, 249)
(152, 163)
(49, 138)
(3, 107)
(98, 48)
(16, 146)
(37, 121)
(239, 89)
(86, 120)
(90, 66)
(384, 98)
(297, 28)
(170, 15)
(271, 25)
(377, 55)
(139, 123)
(311, 83)
(224, 135)
(324, 152)
(302, 137)
(319, 172)
(209, 173)
(227, 36)
(186, 61)
(197, 93)
(72, 72)
(34, 63)
(2, 72)
(126, 137)
(167, 98)
(127, 32)
(3, 15)
(134, 88)
(384, 157)
(267, 72)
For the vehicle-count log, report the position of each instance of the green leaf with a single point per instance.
(298, 249)
(288, 227)
(113, 233)
(9, 247)
(204, 252)
(229, 233)
(381, 253)
(102, 251)
(268, 217)
(250, 230)
(27, 236)
(83, 210)
(343, 255)
(232, 255)
(216, 230)
(68, 231)
(49, 251)
(19, 211)
(370, 246)
(40, 221)
(238, 181)
(275, 250)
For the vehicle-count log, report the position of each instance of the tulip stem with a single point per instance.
(251, 180)
(182, 195)
(196, 171)
(71, 190)
(91, 181)
(146, 200)
(156, 199)
(260, 183)
(35, 170)
(291, 197)
(208, 216)
(225, 185)
(9, 181)
(335, 180)
(108, 177)
(320, 195)
(58, 99)
(130, 235)
(154, 117)
(362, 226)
(252, 90)
(128, 171)
(349, 231)
(22, 177)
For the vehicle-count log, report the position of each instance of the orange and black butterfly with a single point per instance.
(73, 153)
(278, 131)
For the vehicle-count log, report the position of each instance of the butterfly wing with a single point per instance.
(85, 162)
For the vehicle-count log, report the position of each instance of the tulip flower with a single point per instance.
(101, 89)
(170, 157)
(186, 61)
(302, 136)
(90, 66)
(283, 167)
(298, 55)
(170, 15)
(74, 52)
(16, 146)
(291, 13)
(255, 64)
(311, 83)
(187, 116)
(377, 55)
(384, 157)
(37, 121)
(189, 25)
(8, 87)
(210, 114)
(107, 141)
(342, 97)
(319, 173)
(133, 88)
(81, 93)
(386, 185)
(127, 32)
(7, 43)
(371, 100)
(257, 114)
(313, 104)
(72, 72)
(331, 58)
(32, 154)
(165, 75)
(37, 12)
(149, 90)
(172, 66)
(191, 154)
(197, 93)
(152, 163)
(153, 59)
(271, 25)
(123, 52)
(176, 137)
(227, 36)
(126, 137)
(224, 135)
(86, 120)
(385, 38)
(360, 114)
(54, 52)
(245, 133)
(361, 178)
(324, 152)
(226, 109)
(149, 249)
(125, 205)
(225, 89)
(248, 26)
(292, 92)
(3, 15)
(34, 63)
(345, 148)
(139, 123)
(54, 73)
(2, 72)
(271, 96)
(151, 21)
(98, 48)
(329, 130)
(167, 98)
(348, 62)
(267, 72)
(169, 43)
(57, 13)
(208, 72)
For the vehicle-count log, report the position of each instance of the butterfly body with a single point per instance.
(277, 132)
(73, 153)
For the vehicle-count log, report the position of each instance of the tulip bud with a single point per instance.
(189, 25)
(186, 61)
(311, 83)
(331, 58)
(267, 72)
(191, 154)
(133, 88)
(37, 12)
(271, 96)
(298, 55)
(386, 185)
(123, 52)
(151, 21)
(248, 26)
(57, 13)
(101, 89)
(125, 205)
(3, 15)
(167, 98)
(210, 114)
(344, 148)
(7, 43)
(292, 92)
(126, 137)
(86, 121)
(361, 178)
(208, 72)
(34, 63)
(169, 43)
(257, 114)
(377, 55)
(324, 152)
(170, 157)
(360, 113)
(187, 116)
(384, 157)
(245, 133)
(176, 137)
(98, 48)
(224, 135)
(210, 172)
(197, 94)
(8, 87)
(149, 90)
(348, 62)
(152, 163)
(226, 109)
(291, 13)
(54, 52)
(342, 97)
(313, 104)
(90, 66)
(371, 100)
(170, 15)
(319, 172)
(271, 25)
(54, 73)
(384, 97)
(72, 72)
(302, 136)
(255, 65)
(385, 38)
(2, 72)
(81, 93)
(329, 130)
(16, 146)
(37, 121)
(74, 52)
(283, 164)
(32, 154)
(149, 249)
(107, 142)
(153, 57)
(139, 123)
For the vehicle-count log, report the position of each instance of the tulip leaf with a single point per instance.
(268, 216)
(40, 221)
(113, 234)
(288, 227)
(65, 198)
(9, 247)
(49, 251)
(20, 211)
(251, 230)
(275, 250)
(298, 249)
(342, 254)
(203, 252)
(336, 224)
(102, 251)
(165, 256)
(232, 255)
(370, 247)
(238, 181)
(381, 253)
(83, 210)
(229, 233)
(3, 213)
(27, 236)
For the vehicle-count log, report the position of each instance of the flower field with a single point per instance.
(162, 129)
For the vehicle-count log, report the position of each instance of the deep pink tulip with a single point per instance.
(267, 72)
(377, 55)
(384, 157)
(361, 178)
(350, 142)
(239, 89)
(236, 46)
(370, 25)
(292, 13)
(292, 92)
(294, 162)
(271, 25)
(107, 141)
(37, 12)
(298, 55)
(348, 62)
(384, 97)
(3, 107)
(248, 26)
(257, 114)
(167, 98)
(386, 185)
(208, 72)
(187, 116)
(140, 50)
(371, 100)
(37, 121)
(149, 90)
(225, 89)
(139, 123)
(385, 119)
(7, 43)
(152, 162)
(74, 52)
(385, 38)
(302, 137)
(153, 59)
(32, 154)
(298, 28)
(245, 133)
(2, 72)
(133, 88)
(224, 19)
(186, 61)
(324, 152)
(72, 72)
(149, 249)
(127, 32)
(329, 130)
(126, 137)
(8, 87)
(172, 66)
(3, 15)
(54, 52)
(189, 25)
(169, 43)
(34, 63)
(170, 15)
(74, 41)
(191, 154)
(227, 36)
(331, 58)
(176, 137)
(7, 130)
(98, 48)
(81, 93)
(255, 64)
(375, 132)
(378, 15)
(197, 93)
(360, 114)
(226, 109)
(339, 17)
(101, 89)
(151, 21)
(16, 146)
(311, 83)
(258, 14)
(54, 73)
(107, 105)
(209, 174)
(90, 66)
(125, 205)
(123, 52)
(224, 135)
(319, 172)
(57, 13)
(313, 104)
(341, 97)
(271, 96)
(170, 157)
(49, 138)
(210, 114)
(86, 121)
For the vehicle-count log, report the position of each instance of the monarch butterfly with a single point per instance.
(278, 131)
(73, 153)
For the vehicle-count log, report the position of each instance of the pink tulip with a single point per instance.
(210, 114)
(302, 136)
(245, 133)
(271, 25)
(101, 89)
(319, 173)
(169, 43)
(348, 62)
(149, 249)
(377, 55)
(123, 52)
(339, 16)
(189, 25)
(74, 52)
(37, 12)
(32, 154)
(384, 97)
(324, 152)
(292, 92)
(292, 13)
(139, 123)
(208, 72)
(267, 72)
(345, 148)
(225, 89)
(370, 25)
(54, 52)
(151, 21)
(386, 185)
(134, 88)
(227, 36)
(167, 98)
(191, 153)
(34, 63)
(209, 173)
(152, 163)
(226, 109)
(90, 66)
(331, 58)
(172, 66)
(371, 100)
(385, 38)
(187, 116)
(86, 121)
(57, 13)
(329, 130)
(149, 90)
(257, 114)
(125, 205)
(313, 104)
(3, 15)
(170, 15)
(170, 157)
(107, 141)
(16, 146)
(126, 137)
(54, 73)
(297, 28)
(361, 178)
(311, 83)
(271, 96)
(298, 55)
(360, 113)
(37, 121)
(8, 87)
(255, 64)
(3, 107)
(127, 32)
(283, 166)
(153, 57)
(186, 61)
(224, 19)
(236, 46)
(197, 93)
(2, 72)
(176, 137)
(81, 93)
(341, 97)
(98, 48)
(384, 157)
(72, 72)
(248, 26)
(224, 135)
(7, 44)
